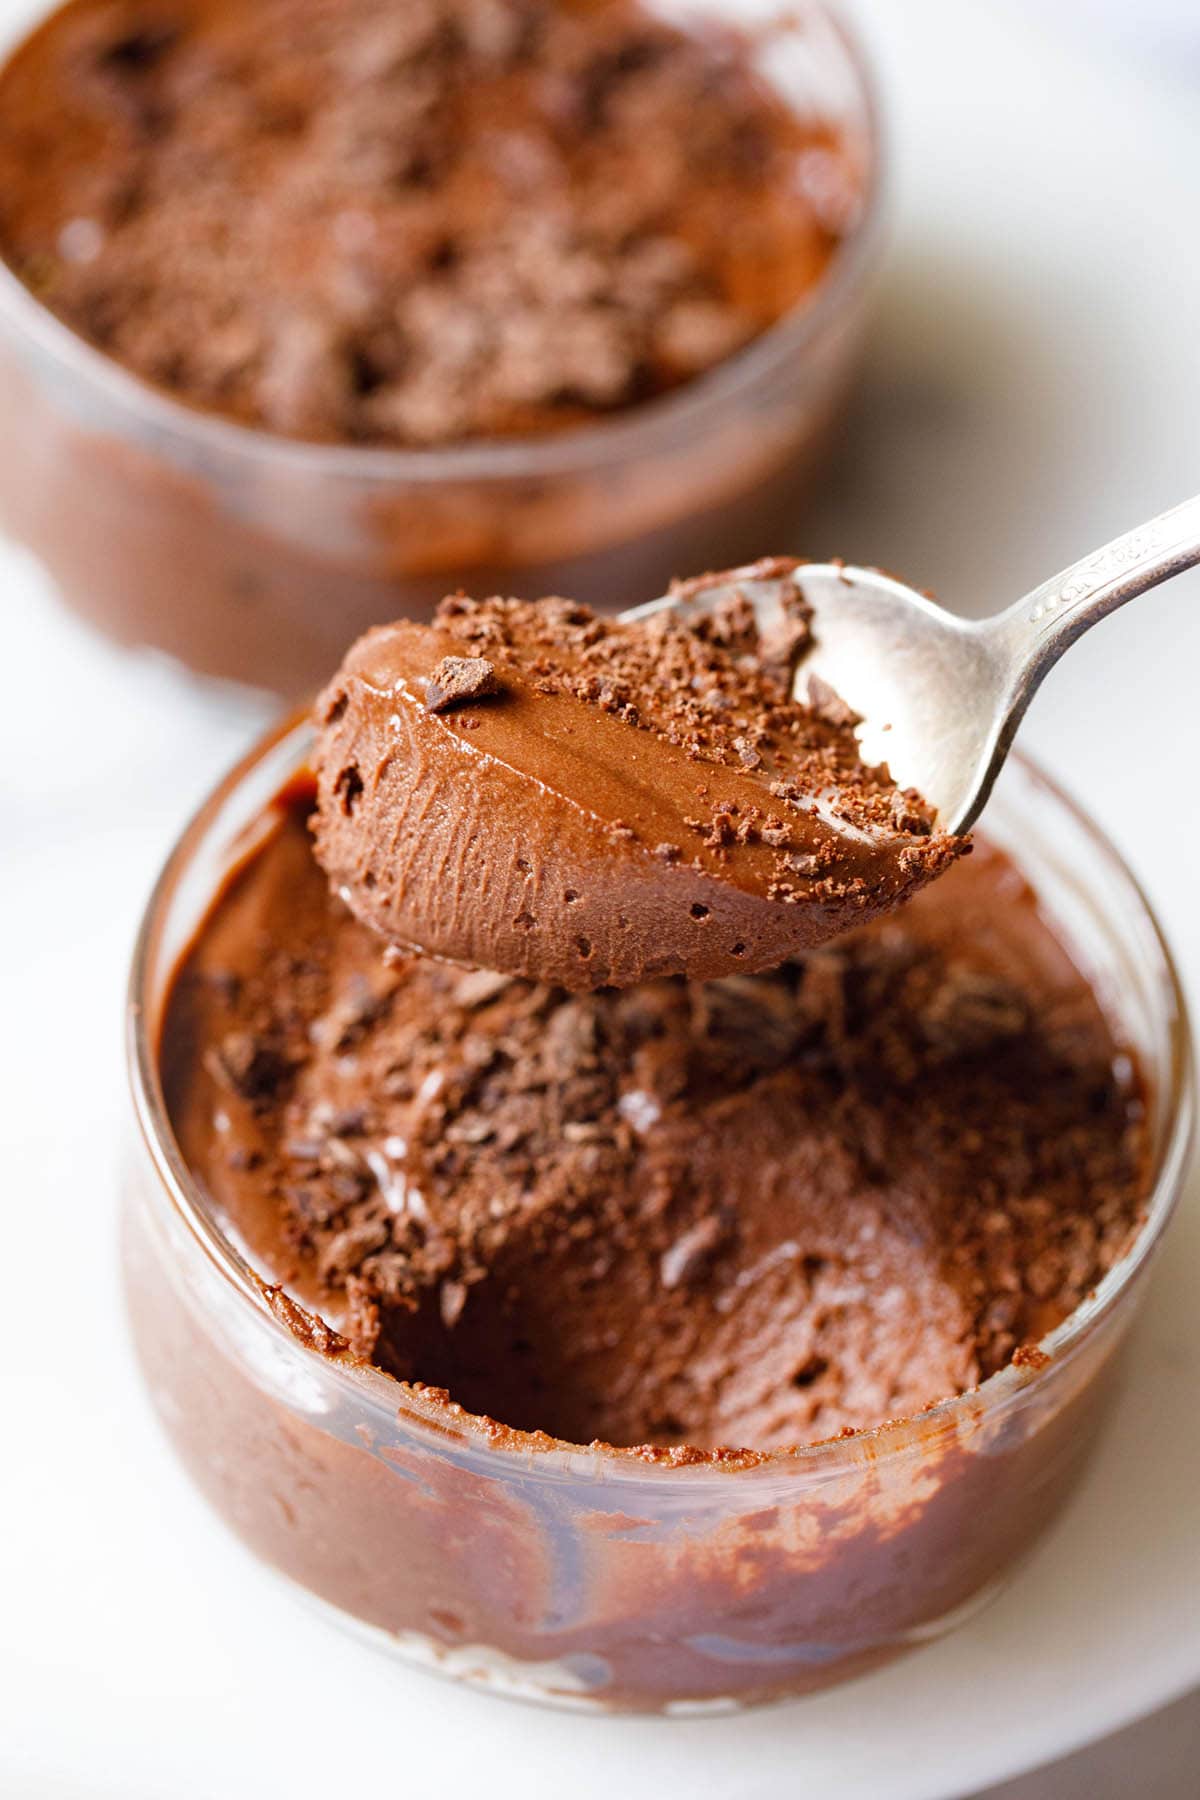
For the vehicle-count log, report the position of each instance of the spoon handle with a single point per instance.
(1047, 621)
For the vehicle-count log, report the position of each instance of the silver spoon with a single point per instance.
(941, 697)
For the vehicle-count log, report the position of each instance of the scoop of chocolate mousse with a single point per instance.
(525, 787)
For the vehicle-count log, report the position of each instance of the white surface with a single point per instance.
(1034, 388)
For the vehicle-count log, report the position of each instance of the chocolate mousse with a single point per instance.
(414, 223)
(689, 1218)
(523, 786)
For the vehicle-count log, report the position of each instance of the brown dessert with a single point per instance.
(417, 223)
(526, 787)
(203, 191)
(751, 1212)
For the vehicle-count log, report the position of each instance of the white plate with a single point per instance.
(1033, 389)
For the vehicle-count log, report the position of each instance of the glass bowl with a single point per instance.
(253, 556)
(590, 1577)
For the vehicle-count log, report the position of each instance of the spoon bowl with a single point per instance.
(940, 697)
(925, 683)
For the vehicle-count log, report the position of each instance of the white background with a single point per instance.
(1033, 387)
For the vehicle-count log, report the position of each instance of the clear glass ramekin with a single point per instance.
(253, 556)
(591, 1577)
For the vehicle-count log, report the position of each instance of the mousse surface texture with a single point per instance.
(692, 1219)
(523, 786)
(410, 222)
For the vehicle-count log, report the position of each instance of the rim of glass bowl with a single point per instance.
(283, 750)
(605, 441)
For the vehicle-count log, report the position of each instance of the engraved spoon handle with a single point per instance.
(1037, 630)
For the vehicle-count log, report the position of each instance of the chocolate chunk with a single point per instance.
(452, 1299)
(360, 1008)
(457, 680)
(733, 624)
(690, 1255)
(348, 1249)
(252, 1065)
(787, 638)
(749, 1025)
(480, 986)
(570, 1041)
(347, 1121)
(972, 1012)
(721, 831)
(828, 704)
(303, 1149)
(911, 813)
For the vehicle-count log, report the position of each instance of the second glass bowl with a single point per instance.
(253, 556)
(586, 1576)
